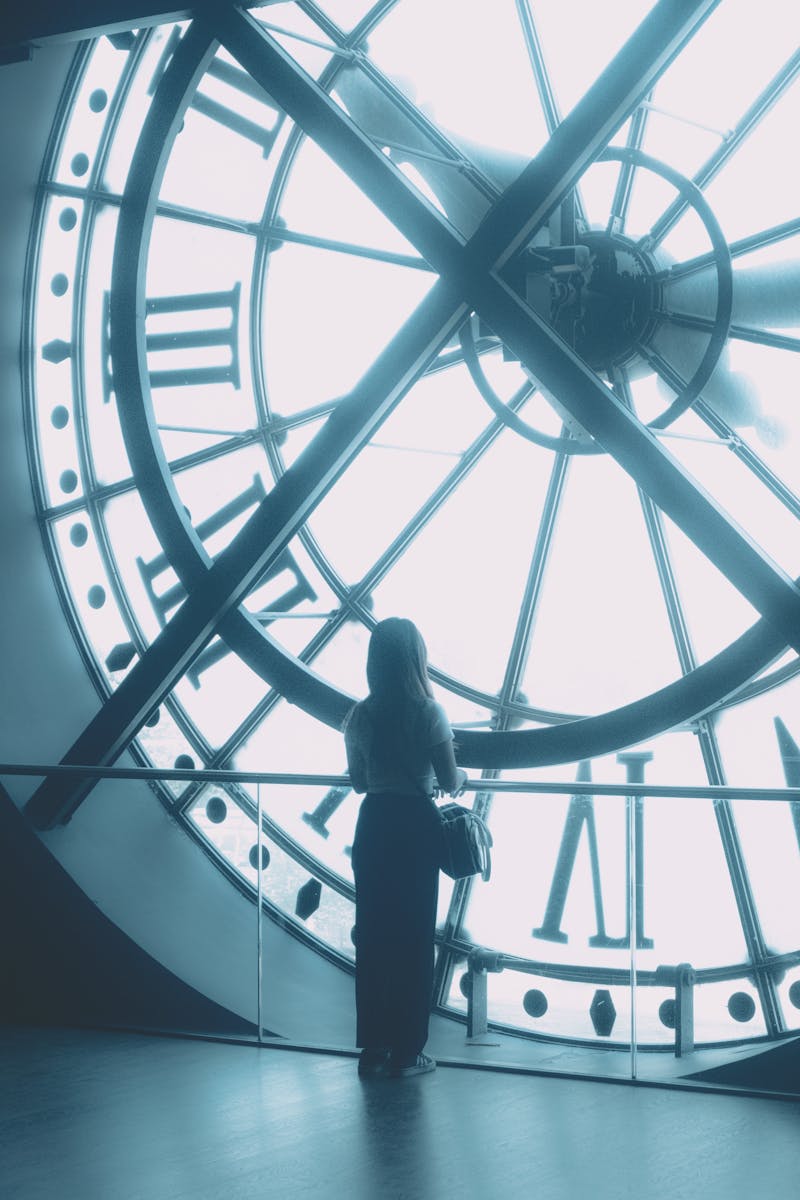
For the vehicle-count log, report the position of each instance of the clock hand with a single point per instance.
(510, 224)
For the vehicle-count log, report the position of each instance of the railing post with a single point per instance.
(479, 962)
(634, 763)
(260, 934)
(477, 1003)
(683, 978)
(684, 1009)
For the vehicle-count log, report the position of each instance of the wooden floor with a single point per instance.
(120, 1116)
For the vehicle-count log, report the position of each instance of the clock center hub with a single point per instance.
(599, 296)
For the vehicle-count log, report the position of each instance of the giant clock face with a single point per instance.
(315, 345)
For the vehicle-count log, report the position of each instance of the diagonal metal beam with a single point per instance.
(525, 205)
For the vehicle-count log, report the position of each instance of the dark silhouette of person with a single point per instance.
(400, 752)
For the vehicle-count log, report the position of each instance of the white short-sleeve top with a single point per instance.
(408, 768)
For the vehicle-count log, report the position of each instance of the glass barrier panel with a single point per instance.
(547, 981)
(718, 996)
(642, 935)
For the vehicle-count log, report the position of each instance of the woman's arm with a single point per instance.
(450, 778)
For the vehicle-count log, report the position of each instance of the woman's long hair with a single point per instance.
(397, 665)
(397, 674)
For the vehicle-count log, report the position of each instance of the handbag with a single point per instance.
(466, 843)
(465, 847)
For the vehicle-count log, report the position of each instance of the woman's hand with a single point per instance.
(450, 779)
(462, 779)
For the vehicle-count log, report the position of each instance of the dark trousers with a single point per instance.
(396, 869)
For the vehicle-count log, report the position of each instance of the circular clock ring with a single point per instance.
(681, 701)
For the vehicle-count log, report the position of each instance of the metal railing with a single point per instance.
(530, 786)
(682, 976)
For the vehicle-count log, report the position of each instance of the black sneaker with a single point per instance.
(421, 1064)
(372, 1062)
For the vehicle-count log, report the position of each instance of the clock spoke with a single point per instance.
(305, 416)
(510, 688)
(744, 333)
(354, 597)
(455, 357)
(209, 220)
(515, 667)
(223, 755)
(541, 75)
(743, 895)
(231, 445)
(276, 231)
(523, 633)
(661, 555)
(444, 360)
(624, 188)
(747, 908)
(544, 85)
(756, 241)
(669, 587)
(96, 495)
(98, 196)
(204, 431)
(738, 135)
(353, 249)
(426, 512)
(394, 125)
(727, 435)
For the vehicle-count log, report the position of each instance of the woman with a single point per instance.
(400, 752)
